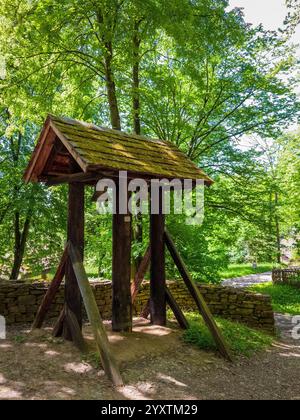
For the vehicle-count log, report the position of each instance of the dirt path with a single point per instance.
(40, 367)
(250, 280)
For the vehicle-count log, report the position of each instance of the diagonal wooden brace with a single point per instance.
(51, 292)
(200, 302)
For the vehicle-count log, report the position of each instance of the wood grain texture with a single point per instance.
(51, 293)
(200, 302)
(107, 359)
(76, 236)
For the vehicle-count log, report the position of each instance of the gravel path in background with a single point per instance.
(247, 281)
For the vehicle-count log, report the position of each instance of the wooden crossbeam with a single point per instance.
(140, 274)
(74, 329)
(200, 302)
(51, 292)
(181, 319)
(59, 325)
(107, 359)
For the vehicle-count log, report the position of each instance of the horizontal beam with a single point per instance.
(63, 179)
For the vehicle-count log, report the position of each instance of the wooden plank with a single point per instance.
(76, 236)
(181, 319)
(140, 274)
(51, 292)
(107, 359)
(31, 165)
(200, 302)
(44, 154)
(121, 271)
(158, 309)
(74, 329)
(59, 325)
(78, 177)
(77, 157)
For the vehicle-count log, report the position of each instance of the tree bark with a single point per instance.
(136, 103)
(278, 241)
(136, 42)
(111, 89)
(20, 244)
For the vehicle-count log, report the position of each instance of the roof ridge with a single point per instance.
(108, 129)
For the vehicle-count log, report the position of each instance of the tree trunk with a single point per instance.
(136, 103)
(20, 244)
(278, 242)
(111, 89)
(136, 42)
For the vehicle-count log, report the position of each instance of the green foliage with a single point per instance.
(285, 298)
(205, 80)
(240, 339)
(239, 270)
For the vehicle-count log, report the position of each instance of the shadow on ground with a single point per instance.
(155, 364)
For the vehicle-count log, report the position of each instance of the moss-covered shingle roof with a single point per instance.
(100, 148)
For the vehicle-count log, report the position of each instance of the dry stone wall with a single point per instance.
(19, 302)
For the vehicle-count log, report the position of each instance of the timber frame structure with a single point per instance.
(79, 154)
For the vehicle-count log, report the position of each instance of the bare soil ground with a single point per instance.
(155, 364)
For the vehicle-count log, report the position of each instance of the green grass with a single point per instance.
(285, 298)
(90, 270)
(241, 340)
(240, 270)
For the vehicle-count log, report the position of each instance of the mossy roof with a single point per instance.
(97, 147)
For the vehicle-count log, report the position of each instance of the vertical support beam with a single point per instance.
(121, 270)
(75, 235)
(157, 267)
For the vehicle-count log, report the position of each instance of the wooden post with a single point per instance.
(76, 236)
(121, 271)
(157, 267)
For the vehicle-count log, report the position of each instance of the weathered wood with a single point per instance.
(77, 177)
(158, 310)
(200, 302)
(59, 325)
(51, 292)
(140, 274)
(121, 271)
(76, 236)
(107, 359)
(181, 319)
(30, 173)
(74, 330)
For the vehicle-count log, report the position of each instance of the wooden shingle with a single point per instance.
(96, 149)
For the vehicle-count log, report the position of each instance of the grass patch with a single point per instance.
(241, 339)
(240, 270)
(285, 298)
